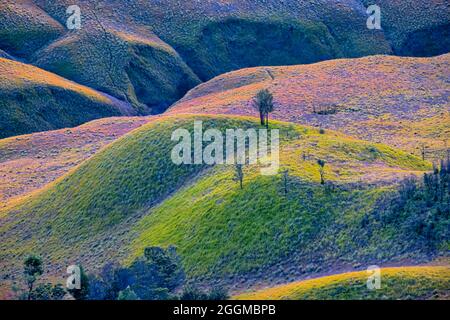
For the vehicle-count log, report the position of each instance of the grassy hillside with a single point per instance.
(104, 191)
(218, 36)
(396, 283)
(130, 195)
(36, 100)
(398, 101)
(234, 43)
(149, 54)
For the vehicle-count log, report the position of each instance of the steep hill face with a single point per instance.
(402, 102)
(150, 53)
(219, 36)
(36, 100)
(415, 28)
(129, 195)
(25, 27)
(99, 193)
(131, 64)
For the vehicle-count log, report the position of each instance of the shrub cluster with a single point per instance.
(422, 208)
(158, 275)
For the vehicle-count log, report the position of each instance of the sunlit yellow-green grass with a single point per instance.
(133, 188)
(210, 220)
(396, 283)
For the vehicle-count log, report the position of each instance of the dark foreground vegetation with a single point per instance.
(158, 275)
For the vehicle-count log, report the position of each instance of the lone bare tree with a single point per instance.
(263, 102)
(321, 164)
(239, 174)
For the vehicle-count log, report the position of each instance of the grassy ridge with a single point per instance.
(396, 283)
(132, 174)
(401, 102)
(222, 231)
(217, 217)
(236, 43)
(25, 27)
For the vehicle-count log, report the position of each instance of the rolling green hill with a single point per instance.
(36, 100)
(130, 195)
(359, 181)
(25, 27)
(423, 283)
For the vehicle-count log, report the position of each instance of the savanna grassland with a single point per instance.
(141, 198)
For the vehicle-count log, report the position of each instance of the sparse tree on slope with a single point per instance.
(263, 102)
(32, 270)
(321, 164)
(239, 174)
